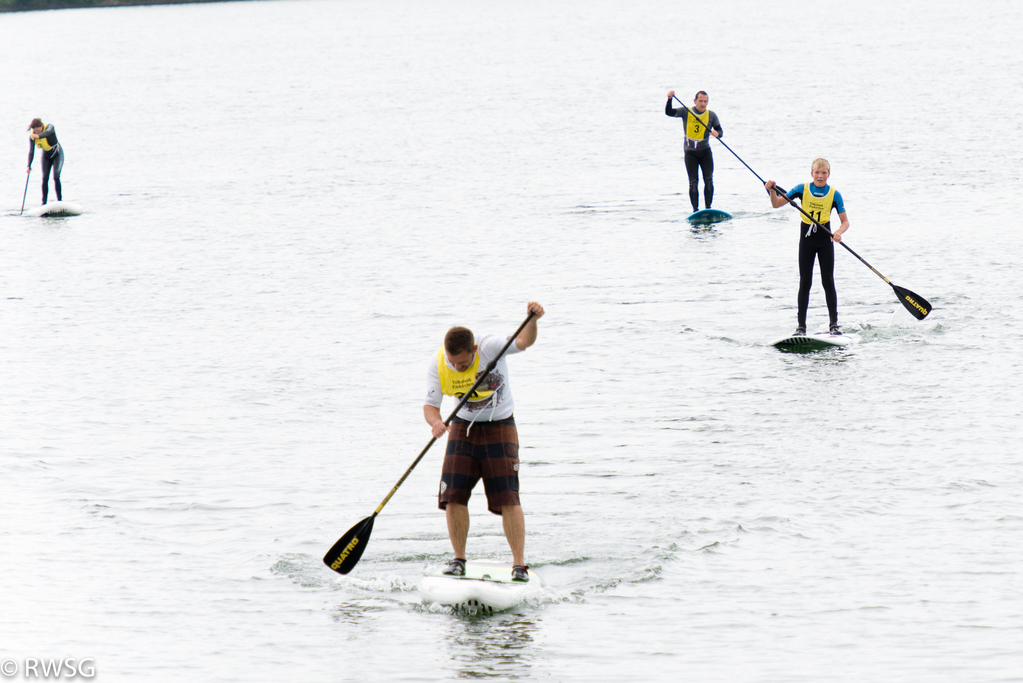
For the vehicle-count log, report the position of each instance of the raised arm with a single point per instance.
(527, 337)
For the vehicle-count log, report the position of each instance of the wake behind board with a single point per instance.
(55, 210)
(708, 216)
(485, 588)
(813, 342)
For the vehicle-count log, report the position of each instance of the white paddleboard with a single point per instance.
(813, 342)
(55, 209)
(485, 588)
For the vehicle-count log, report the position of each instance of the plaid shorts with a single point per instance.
(489, 451)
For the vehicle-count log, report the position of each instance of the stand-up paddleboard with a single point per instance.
(813, 342)
(485, 588)
(55, 209)
(708, 216)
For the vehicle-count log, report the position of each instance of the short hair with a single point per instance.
(458, 340)
(820, 163)
(702, 92)
(36, 123)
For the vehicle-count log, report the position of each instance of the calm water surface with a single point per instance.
(218, 369)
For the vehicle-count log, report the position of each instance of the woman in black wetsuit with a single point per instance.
(45, 138)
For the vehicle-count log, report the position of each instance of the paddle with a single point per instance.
(27, 177)
(914, 303)
(345, 554)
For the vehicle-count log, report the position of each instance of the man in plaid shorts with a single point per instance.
(482, 440)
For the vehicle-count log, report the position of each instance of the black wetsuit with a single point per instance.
(698, 156)
(53, 159)
(817, 244)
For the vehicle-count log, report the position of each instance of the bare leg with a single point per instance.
(514, 523)
(458, 527)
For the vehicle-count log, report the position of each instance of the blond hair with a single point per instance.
(820, 163)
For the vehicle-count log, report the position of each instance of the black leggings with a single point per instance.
(53, 159)
(818, 245)
(700, 159)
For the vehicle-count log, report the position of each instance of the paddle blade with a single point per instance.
(345, 554)
(914, 303)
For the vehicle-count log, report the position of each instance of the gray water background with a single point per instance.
(218, 369)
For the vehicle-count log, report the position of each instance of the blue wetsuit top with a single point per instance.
(797, 192)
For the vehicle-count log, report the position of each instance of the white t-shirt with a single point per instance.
(498, 405)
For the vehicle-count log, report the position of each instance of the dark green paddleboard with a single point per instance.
(708, 216)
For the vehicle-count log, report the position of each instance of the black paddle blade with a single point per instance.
(345, 554)
(914, 303)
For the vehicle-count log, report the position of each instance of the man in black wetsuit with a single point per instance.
(45, 138)
(700, 123)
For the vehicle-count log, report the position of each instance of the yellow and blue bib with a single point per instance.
(818, 207)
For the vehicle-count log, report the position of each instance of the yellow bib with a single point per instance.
(818, 207)
(41, 142)
(696, 126)
(454, 383)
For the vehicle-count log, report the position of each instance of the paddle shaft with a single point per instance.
(27, 177)
(465, 398)
(781, 191)
(721, 141)
(913, 302)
